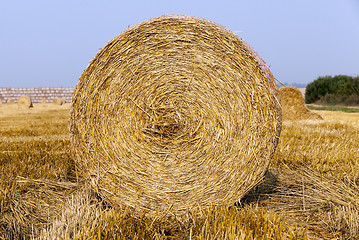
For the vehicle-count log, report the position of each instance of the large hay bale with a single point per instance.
(293, 105)
(24, 102)
(174, 113)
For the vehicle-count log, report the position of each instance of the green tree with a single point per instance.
(337, 89)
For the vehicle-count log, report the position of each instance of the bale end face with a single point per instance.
(58, 101)
(24, 102)
(174, 113)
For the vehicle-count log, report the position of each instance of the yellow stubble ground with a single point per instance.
(311, 189)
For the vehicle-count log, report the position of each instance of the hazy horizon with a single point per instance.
(50, 43)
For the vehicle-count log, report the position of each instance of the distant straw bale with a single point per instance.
(58, 101)
(24, 102)
(174, 113)
(10, 101)
(293, 105)
(43, 101)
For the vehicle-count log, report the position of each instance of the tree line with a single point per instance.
(339, 89)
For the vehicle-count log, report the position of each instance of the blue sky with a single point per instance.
(50, 43)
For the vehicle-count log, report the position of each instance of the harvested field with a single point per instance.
(310, 190)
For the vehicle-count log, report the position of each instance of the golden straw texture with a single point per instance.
(174, 113)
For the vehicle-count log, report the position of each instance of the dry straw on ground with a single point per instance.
(24, 102)
(293, 105)
(174, 113)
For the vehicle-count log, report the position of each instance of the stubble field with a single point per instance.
(310, 191)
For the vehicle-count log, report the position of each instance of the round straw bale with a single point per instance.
(174, 113)
(43, 101)
(24, 102)
(58, 101)
(10, 101)
(293, 105)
